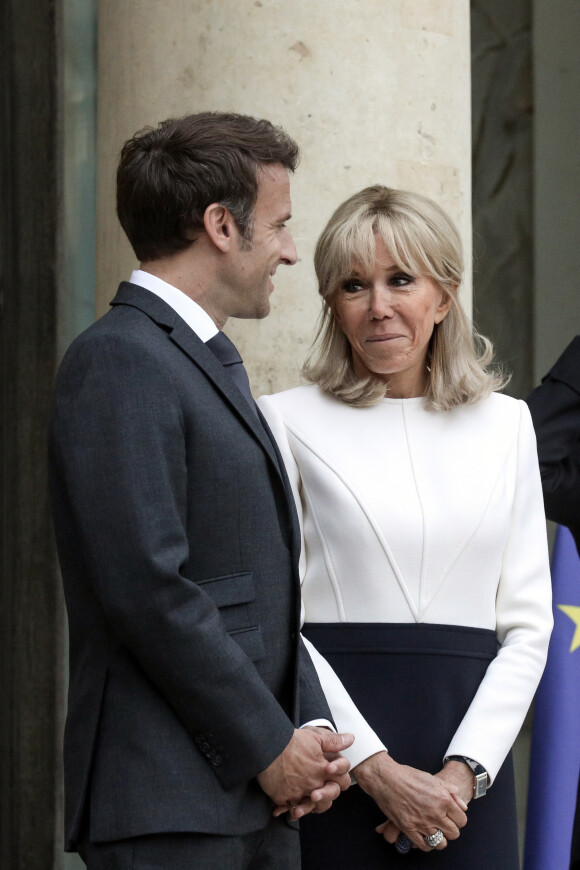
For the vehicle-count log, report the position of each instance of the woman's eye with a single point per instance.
(351, 285)
(401, 279)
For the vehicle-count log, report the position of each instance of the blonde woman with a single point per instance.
(425, 579)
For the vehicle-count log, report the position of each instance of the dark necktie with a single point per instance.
(228, 355)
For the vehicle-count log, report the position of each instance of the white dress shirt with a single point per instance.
(193, 314)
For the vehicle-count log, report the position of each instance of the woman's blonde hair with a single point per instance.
(422, 240)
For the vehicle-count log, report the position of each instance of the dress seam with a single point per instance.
(370, 518)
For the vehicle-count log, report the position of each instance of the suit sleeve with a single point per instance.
(523, 618)
(555, 409)
(345, 713)
(313, 703)
(119, 456)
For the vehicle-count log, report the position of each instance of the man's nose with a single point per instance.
(288, 254)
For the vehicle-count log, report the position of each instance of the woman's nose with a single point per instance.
(381, 303)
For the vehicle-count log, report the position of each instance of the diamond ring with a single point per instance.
(434, 839)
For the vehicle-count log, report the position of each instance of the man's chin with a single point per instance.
(257, 314)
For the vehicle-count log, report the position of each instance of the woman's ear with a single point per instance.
(219, 226)
(445, 304)
(335, 314)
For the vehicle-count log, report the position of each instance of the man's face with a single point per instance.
(254, 265)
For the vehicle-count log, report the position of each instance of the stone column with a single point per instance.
(31, 618)
(373, 91)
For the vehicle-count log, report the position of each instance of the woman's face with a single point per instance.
(388, 317)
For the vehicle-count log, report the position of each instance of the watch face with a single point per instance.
(480, 787)
(480, 773)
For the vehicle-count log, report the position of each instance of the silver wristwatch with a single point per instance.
(480, 773)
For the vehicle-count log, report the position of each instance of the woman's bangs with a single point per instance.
(355, 249)
(401, 241)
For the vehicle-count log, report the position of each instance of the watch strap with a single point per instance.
(480, 773)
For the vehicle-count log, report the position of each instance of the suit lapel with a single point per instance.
(190, 344)
(185, 338)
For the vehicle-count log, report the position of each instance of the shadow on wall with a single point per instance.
(501, 45)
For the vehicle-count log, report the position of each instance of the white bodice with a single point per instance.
(410, 515)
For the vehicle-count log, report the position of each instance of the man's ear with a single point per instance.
(219, 226)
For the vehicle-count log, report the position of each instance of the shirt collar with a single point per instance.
(194, 315)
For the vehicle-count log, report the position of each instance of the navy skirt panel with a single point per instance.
(413, 683)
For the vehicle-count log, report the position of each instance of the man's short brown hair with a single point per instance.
(168, 175)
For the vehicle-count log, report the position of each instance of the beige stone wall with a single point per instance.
(373, 91)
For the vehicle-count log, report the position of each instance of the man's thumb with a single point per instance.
(332, 742)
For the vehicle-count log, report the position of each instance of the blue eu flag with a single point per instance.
(555, 759)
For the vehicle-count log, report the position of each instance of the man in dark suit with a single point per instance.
(177, 534)
(555, 409)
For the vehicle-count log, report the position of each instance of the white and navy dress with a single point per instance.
(426, 597)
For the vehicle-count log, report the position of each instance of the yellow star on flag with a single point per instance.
(574, 613)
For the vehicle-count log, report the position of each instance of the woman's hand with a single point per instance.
(413, 801)
(458, 778)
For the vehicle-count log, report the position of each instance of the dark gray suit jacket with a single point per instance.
(555, 409)
(178, 545)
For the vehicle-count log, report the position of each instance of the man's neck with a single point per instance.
(188, 275)
(188, 309)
